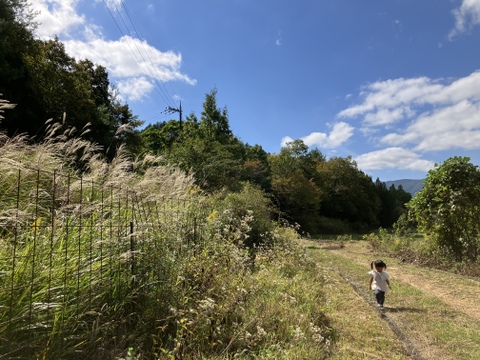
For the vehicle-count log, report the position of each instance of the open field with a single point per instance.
(434, 314)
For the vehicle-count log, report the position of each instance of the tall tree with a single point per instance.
(447, 208)
(297, 194)
(349, 193)
(214, 121)
(392, 203)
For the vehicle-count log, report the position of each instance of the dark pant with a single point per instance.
(380, 296)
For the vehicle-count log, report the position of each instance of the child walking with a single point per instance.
(379, 282)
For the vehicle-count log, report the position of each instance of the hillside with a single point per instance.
(411, 186)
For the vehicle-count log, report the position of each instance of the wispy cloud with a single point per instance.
(466, 17)
(112, 4)
(278, 40)
(133, 64)
(340, 133)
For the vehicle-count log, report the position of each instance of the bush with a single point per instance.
(247, 213)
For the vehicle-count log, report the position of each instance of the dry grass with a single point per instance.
(361, 333)
(208, 298)
(435, 326)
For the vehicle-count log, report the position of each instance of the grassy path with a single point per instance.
(429, 314)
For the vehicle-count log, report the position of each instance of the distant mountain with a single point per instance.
(409, 185)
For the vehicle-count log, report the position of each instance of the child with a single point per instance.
(379, 281)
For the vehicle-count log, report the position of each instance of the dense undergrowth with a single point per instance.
(91, 268)
(420, 249)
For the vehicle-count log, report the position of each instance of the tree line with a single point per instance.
(321, 195)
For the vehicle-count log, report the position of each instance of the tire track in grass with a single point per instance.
(428, 326)
(392, 324)
(460, 293)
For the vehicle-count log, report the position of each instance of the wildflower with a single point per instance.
(261, 332)
(207, 304)
(298, 334)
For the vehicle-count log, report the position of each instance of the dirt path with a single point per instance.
(410, 311)
(459, 293)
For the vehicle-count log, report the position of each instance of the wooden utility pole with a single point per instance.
(171, 110)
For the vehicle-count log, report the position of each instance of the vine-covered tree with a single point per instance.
(447, 208)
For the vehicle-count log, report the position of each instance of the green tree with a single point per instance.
(392, 203)
(448, 207)
(214, 123)
(349, 193)
(256, 167)
(16, 40)
(293, 186)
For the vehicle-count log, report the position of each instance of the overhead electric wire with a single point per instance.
(163, 95)
(139, 35)
(168, 96)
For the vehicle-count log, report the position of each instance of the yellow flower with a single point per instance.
(212, 216)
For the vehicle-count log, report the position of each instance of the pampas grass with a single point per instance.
(129, 259)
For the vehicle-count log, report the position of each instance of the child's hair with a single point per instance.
(378, 263)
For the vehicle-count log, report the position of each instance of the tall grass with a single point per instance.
(109, 260)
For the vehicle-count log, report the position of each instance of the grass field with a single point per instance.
(426, 322)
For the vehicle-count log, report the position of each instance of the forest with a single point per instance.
(322, 196)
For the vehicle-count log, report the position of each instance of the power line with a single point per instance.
(139, 35)
(164, 95)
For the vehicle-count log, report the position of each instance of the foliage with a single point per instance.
(293, 186)
(349, 193)
(393, 203)
(447, 208)
(247, 212)
(193, 294)
(46, 83)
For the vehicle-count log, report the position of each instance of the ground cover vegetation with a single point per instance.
(178, 240)
(125, 259)
(422, 311)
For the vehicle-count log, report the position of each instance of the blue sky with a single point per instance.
(395, 84)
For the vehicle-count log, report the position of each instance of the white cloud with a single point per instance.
(388, 116)
(134, 88)
(130, 57)
(112, 4)
(56, 17)
(457, 126)
(278, 40)
(435, 114)
(134, 64)
(340, 133)
(393, 158)
(466, 17)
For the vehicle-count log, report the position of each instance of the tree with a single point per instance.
(214, 122)
(16, 40)
(349, 194)
(293, 173)
(448, 207)
(392, 203)
(256, 167)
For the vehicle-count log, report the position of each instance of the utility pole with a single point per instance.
(172, 110)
